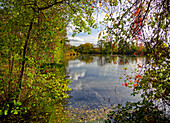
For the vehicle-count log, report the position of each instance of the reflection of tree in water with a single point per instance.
(86, 58)
(114, 59)
(107, 60)
(129, 59)
(100, 60)
(121, 60)
(104, 60)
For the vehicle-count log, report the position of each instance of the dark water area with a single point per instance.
(96, 80)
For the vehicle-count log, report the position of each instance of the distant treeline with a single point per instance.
(110, 48)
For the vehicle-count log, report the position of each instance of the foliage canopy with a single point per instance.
(33, 36)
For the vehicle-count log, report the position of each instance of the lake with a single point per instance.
(96, 80)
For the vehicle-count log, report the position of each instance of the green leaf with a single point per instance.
(15, 111)
(1, 112)
(19, 103)
(6, 112)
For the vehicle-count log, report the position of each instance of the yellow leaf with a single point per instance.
(100, 4)
(116, 12)
(160, 54)
(114, 22)
(106, 15)
(99, 35)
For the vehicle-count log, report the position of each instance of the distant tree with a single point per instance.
(86, 48)
(100, 44)
(108, 47)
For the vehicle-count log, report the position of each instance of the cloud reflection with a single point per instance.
(77, 74)
(94, 83)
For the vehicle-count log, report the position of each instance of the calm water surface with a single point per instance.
(95, 80)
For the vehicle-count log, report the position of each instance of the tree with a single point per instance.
(147, 22)
(100, 45)
(107, 47)
(33, 35)
(86, 48)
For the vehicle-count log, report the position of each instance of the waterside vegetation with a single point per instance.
(33, 84)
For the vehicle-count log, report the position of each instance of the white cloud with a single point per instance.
(91, 38)
(75, 39)
(82, 38)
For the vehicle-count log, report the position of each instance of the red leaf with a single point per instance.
(126, 84)
(139, 76)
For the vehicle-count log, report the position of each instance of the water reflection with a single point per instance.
(95, 80)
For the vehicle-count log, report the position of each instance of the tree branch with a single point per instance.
(55, 3)
(24, 53)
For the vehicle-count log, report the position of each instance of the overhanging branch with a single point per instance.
(55, 3)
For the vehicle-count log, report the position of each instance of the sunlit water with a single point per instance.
(95, 81)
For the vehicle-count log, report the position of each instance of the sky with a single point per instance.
(82, 37)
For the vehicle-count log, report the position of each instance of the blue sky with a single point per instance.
(82, 37)
(98, 15)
